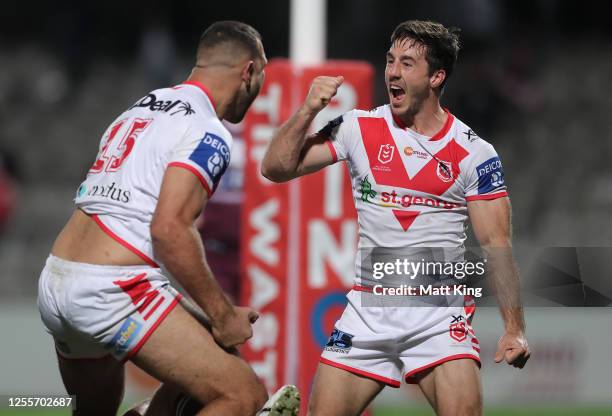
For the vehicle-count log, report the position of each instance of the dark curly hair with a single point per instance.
(441, 43)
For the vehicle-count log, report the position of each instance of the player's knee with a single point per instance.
(473, 407)
(314, 408)
(319, 411)
(467, 407)
(256, 397)
(250, 395)
(260, 395)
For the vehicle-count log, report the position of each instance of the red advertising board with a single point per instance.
(299, 238)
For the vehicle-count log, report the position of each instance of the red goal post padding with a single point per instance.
(298, 239)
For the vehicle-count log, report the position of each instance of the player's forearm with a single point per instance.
(506, 282)
(282, 158)
(180, 250)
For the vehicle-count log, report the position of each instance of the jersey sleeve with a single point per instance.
(339, 132)
(484, 175)
(205, 151)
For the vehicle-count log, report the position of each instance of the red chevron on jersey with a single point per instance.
(411, 190)
(387, 166)
(405, 218)
(385, 161)
(440, 173)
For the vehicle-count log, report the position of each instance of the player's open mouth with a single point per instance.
(397, 93)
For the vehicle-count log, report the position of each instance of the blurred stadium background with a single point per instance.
(532, 78)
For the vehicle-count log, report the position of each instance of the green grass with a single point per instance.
(390, 412)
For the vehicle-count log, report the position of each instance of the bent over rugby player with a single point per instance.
(102, 294)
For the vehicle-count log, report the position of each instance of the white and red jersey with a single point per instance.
(168, 127)
(412, 190)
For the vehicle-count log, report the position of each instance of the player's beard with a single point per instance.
(241, 104)
(413, 100)
(417, 98)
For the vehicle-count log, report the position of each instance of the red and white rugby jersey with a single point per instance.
(412, 190)
(168, 127)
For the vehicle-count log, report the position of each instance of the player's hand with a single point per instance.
(235, 328)
(512, 347)
(322, 90)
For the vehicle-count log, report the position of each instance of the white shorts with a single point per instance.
(92, 311)
(389, 344)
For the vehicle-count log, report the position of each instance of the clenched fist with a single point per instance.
(235, 328)
(321, 92)
(513, 348)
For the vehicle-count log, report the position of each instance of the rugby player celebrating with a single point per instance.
(418, 174)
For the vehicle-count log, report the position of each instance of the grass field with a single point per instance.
(392, 412)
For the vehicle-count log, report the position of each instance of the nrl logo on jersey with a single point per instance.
(385, 153)
(151, 102)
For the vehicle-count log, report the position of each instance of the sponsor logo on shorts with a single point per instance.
(151, 103)
(339, 342)
(125, 336)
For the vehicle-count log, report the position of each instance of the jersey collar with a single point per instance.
(440, 134)
(203, 89)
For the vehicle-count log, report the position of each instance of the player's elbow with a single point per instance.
(496, 241)
(159, 233)
(162, 231)
(273, 174)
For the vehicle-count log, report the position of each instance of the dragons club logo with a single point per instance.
(385, 153)
(458, 331)
(445, 171)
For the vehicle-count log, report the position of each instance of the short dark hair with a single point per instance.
(441, 43)
(233, 33)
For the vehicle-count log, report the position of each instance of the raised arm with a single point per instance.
(292, 152)
(178, 245)
(491, 221)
